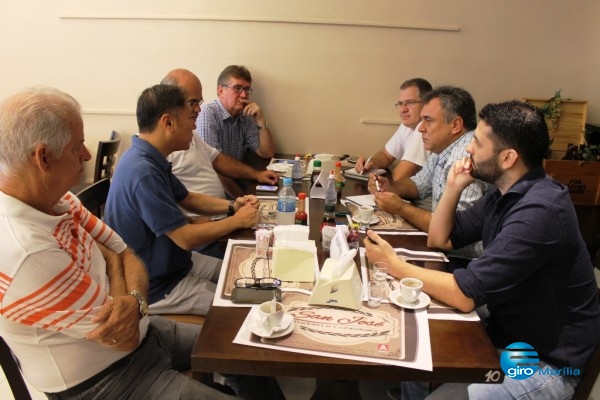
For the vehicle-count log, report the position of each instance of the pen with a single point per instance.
(366, 162)
(377, 184)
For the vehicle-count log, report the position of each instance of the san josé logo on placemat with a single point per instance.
(339, 326)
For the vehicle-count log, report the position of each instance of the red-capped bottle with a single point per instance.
(301, 217)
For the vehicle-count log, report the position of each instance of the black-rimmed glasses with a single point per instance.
(258, 283)
(238, 89)
(407, 103)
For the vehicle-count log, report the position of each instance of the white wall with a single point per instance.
(316, 80)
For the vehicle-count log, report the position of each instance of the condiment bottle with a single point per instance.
(301, 217)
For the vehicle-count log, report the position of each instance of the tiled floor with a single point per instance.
(294, 389)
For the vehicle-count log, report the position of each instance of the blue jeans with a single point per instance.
(536, 387)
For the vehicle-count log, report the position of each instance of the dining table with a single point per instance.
(461, 351)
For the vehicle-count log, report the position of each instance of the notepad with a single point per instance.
(353, 174)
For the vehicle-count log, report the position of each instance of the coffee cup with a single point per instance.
(410, 289)
(365, 213)
(269, 317)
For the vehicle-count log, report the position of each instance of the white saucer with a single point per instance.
(259, 330)
(396, 298)
(374, 219)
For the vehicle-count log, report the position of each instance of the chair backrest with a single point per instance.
(106, 156)
(583, 390)
(13, 373)
(94, 197)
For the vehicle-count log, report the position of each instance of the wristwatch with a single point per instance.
(230, 208)
(141, 301)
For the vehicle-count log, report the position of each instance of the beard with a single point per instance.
(487, 170)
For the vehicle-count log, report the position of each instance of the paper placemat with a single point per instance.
(436, 310)
(240, 261)
(386, 335)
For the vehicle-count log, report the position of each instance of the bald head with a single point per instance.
(184, 78)
(189, 82)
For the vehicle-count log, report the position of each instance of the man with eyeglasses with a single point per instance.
(406, 144)
(233, 123)
(144, 201)
(200, 167)
(449, 121)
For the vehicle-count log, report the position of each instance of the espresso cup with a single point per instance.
(410, 288)
(271, 318)
(365, 213)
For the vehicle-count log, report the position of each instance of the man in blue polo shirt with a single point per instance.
(535, 274)
(144, 202)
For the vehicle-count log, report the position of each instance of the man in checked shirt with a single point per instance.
(448, 123)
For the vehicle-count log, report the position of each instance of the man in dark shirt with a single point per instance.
(535, 274)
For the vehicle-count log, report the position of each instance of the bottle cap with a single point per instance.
(338, 163)
(332, 174)
(297, 157)
(287, 181)
(316, 163)
(301, 196)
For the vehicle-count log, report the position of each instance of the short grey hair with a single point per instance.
(32, 117)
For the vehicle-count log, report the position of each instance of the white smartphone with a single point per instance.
(267, 188)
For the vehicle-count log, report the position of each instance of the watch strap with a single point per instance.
(141, 301)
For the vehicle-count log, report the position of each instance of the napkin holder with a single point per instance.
(339, 284)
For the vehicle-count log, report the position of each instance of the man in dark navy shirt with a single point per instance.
(535, 274)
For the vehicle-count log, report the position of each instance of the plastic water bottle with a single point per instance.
(286, 203)
(328, 224)
(297, 170)
(330, 195)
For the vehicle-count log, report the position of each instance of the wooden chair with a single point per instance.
(106, 157)
(583, 390)
(94, 197)
(13, 373)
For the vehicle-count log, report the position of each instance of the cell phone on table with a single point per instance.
(251, 295)
(267, 188)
